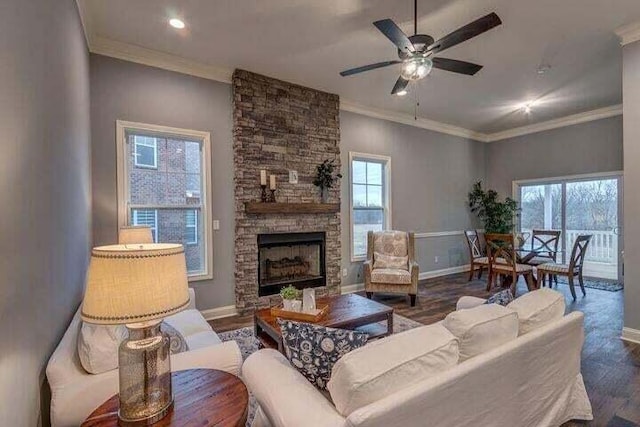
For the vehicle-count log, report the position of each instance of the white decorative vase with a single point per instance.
(296, 305)
(287, 304)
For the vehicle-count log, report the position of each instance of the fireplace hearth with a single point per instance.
(296, 259)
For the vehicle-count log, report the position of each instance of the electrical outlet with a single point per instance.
(293, 177)
(436, 259)
(344, 272)
(216, 224)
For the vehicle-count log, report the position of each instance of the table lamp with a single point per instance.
(138, 285)
(135, 234)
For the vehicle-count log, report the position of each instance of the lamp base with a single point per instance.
(145, 375)
(146, 421)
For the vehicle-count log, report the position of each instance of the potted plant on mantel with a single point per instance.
(289, 296)
(497, 216)
(326, 177)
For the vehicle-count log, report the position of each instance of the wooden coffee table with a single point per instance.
(202, 397)
(348, 311)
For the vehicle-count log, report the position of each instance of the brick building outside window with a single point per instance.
(164, 179)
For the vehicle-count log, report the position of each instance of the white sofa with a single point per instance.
(76, 393)
(531, 380)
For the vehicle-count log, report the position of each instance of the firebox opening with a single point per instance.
(296, 259)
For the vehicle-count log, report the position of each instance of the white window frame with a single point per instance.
(122, 128)
(194, 226)
(386, 194)
(155, 154)
(154, 229)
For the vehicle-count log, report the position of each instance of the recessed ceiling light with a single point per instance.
(402, 93)
(176, 23)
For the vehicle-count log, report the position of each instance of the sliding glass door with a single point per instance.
(578, 205)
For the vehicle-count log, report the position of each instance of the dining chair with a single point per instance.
(571, 270)
(477, 258)
(545, 242)
(503, 261)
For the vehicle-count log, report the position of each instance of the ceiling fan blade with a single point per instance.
(395, 34)
(368, 67)
(455, 66)
(401, 84)
(467, 32)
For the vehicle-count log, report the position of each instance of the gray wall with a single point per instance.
(123, 90)
(44, 192)
(431, 174)
(631, 90)
(585, 148)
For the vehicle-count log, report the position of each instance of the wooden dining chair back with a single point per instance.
(477, 257)
(545, 242)
(579, 252)
(503, 261)
(571, 270)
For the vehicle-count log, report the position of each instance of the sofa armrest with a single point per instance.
(285, 396)
(469, 302)
(225, 356)
(192, 299)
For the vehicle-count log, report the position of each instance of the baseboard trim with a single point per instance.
(444, 272)
(219, 312)
(349, 289)
(631, 335)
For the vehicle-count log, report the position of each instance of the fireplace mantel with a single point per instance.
(291, 208)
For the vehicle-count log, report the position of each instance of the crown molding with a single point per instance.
(408, 119)
(629, 33)
(155, 58)
(574, 119)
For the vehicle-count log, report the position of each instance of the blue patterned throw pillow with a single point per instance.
(313, 350)
(503, 298)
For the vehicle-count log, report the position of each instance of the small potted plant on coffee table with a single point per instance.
(289, 296)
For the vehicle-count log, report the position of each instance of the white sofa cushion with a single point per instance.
(482, 328)
(383, 367)
(98, 346)
(537, 308)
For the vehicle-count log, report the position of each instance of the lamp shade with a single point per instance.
(135, 234)
(127, 284)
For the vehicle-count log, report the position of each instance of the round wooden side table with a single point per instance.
(202, 397)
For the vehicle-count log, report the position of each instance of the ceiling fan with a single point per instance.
(416, 52)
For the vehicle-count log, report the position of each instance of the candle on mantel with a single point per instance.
(263, 177)
(272, 182)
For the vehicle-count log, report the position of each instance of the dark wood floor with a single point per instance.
(611, 367)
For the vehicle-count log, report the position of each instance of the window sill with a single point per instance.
(200, 277)
(358, 258)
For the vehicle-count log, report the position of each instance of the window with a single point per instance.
(145, 152)
(370, 201)
(163, 182)
(148, 217)
(192, 227)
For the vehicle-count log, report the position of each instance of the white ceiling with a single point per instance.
(309, 42)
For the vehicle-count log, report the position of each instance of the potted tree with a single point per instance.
(326, 177)
(497, 216)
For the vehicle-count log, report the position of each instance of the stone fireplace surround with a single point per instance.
(279, 126)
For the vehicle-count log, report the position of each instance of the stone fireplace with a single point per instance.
(282, 127)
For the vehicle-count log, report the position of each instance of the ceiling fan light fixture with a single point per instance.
(416, 68)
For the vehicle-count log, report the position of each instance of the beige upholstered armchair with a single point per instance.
(391, 265)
